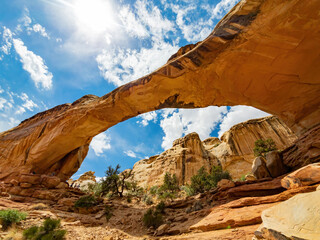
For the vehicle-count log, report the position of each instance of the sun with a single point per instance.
(94, 15)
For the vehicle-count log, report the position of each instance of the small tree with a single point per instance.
(203, 181)
(115, 182)
(170, 186)
(261, 147)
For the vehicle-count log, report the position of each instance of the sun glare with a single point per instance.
(94, 15)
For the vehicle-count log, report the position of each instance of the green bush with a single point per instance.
(204, 181)
(261, 147)
(108, 212)
(94, 189)
(154, 190)
(86, 202)
(50, 230)
(188, 190)
(11, 216)
(152, 218)
(160, 207)
(147, 199)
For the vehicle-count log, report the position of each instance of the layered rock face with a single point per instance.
(184, 159)
(234, 152)
(263, 53)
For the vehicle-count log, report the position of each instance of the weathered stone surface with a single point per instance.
(302, 177)
(223, 217)
(275, 164)
(184, 159)
(259, 168)
(25, 185)
(297, 217)
(258, 55)
(30, 178)
(225, 184)
(235, 151)
(50, 181)
(161, 230)
(188, 154)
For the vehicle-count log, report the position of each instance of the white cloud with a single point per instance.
(147, 117)
(7, 41)
(40, 29)
(122, 66)
(239, 114)
(132, 24)
(2, 103)
(222, 7)
(130, 153)
(184, 121)
(34, 65)
(100, 143)
(8, 123)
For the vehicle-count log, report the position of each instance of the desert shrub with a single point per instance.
(204, 181)
(147, 199)
(94, 189)
(261, 147)
(152, 218)
(134, 190)
(50, 230)
(161, 207)
(108, 212)
(115, 182)
(154, 190)
(11, 216)
(188, 190)
(86, 202)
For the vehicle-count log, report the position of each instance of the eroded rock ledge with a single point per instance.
(263, 53)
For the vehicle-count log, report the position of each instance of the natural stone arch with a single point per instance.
(263, 53)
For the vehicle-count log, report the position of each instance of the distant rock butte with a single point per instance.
(234, 152)
(263, 53)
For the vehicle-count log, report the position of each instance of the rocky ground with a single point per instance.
(231, 211)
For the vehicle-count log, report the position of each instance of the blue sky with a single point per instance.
(56, 51)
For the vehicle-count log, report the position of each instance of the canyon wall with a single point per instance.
(263, 53)
(234, 152)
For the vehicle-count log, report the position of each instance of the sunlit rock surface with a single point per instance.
(263, 53)
(234, 152)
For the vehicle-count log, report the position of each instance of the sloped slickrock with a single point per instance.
(302, 177)
(244, 211)
(263, 53)
(297, 217)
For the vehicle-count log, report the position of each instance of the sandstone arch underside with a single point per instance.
(263, 53)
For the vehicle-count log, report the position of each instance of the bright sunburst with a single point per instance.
(94, 15)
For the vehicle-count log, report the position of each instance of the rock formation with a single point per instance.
(234, 152)
(297, 217)
(184, 159)
(263, 53)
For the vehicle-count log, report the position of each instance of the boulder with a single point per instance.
(50, 181)
(274, 164)
(259, 168)
(302, 177)
(296, 217)
(225, 184)
(250, 177)
(161, 230)
(25, 185)
(30, 178)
